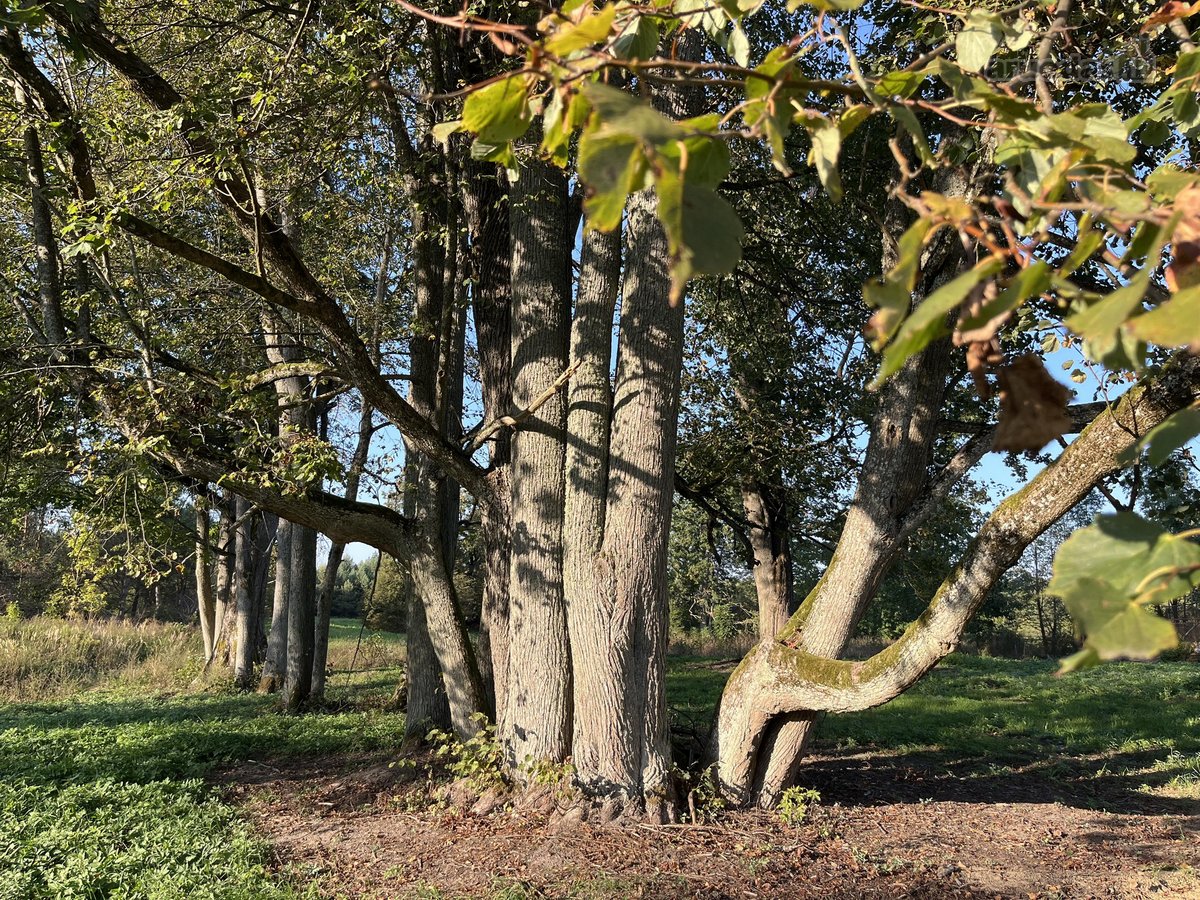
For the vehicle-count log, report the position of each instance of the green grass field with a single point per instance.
(103, 793)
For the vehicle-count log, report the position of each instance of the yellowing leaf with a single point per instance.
(500, 112)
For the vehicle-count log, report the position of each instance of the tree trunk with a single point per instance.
(301, 619)
(224, 578)
(337, 550)
(275, 662)
(770, 542)
(206, 598)
(246, 627)
(485, 200)
(788, 679)
(535, 724)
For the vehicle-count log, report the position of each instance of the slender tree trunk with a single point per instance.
(245, 635)
(275, 662)
(485, 199)
(206, 598)
(225, 609)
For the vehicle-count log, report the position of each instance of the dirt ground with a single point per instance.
(886, 827)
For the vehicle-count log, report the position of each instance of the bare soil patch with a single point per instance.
(887, 828)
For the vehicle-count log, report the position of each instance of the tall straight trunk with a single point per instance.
(485, 201)
(246, 626)
(620, 487)
(224, 578)
(432, 581)
(275, 662)
(45, 247)
(536, 721)
(206, 598)
(301, 618)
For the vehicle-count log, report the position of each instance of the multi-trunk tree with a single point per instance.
(320, 201)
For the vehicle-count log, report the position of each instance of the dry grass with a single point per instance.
(44, 658)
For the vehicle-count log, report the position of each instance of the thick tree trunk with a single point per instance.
(275, 662)
(787, 679)
(301, 618)
(225, 565)
(769, 534)
(535, 724)
(620, 487)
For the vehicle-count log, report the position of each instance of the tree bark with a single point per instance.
(535, 723)
(246, 626)
(206, 598)
(275, 662)
(301, 618)
(779, 679)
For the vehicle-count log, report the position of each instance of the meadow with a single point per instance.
(106, 775)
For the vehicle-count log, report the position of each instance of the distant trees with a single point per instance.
(271, 253)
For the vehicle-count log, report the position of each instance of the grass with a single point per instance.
(104, 792)
(43, 658)
(1136, 722)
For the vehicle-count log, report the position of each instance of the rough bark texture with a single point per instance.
(535, 722)
(275, 662)
(246, 625)
(301, 618)
(485, 202)
(769, 535)
(779, 680)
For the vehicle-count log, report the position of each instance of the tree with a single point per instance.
(574, 500)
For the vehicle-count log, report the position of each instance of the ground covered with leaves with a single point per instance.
(992, 778)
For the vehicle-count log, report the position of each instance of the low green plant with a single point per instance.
(477, 760)
(794, 804)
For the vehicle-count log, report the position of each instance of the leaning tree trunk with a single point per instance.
(785, 679)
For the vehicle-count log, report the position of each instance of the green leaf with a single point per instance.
(621, 113)
(1168, 180)
(704, 233)
(442, 130)
(978, 39)
(826, 144)
(500, 112)
(1029, 282)
(1115, 627)
(1122, 551)
(611, 168)
(891, 295)
(592, 29)
(1175, 323)
(928, 321)
(1100, 323)
(907, 119)
(639, 40)
(1166, 437)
